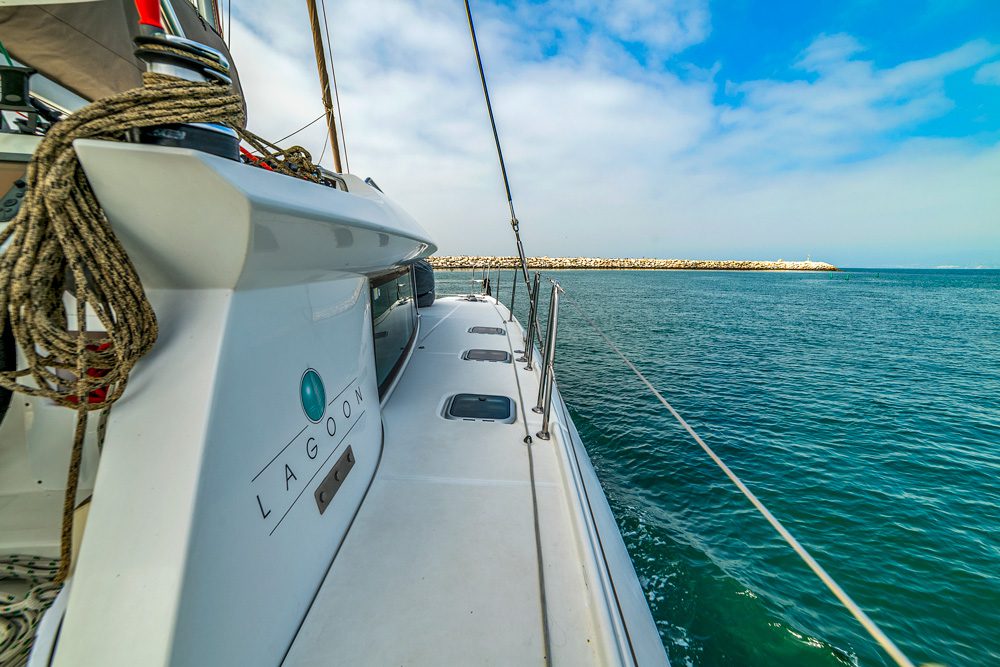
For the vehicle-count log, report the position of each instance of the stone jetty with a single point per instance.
(473, 262)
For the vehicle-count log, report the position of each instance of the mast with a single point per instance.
(324, 82)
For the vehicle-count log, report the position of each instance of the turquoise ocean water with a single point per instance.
(863, 407)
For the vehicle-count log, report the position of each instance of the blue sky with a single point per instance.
(758, 40)
(861, 133)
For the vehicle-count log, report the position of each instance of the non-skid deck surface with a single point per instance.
(448, 560)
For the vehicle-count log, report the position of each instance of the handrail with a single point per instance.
(529, 339)
(513, 291)
(544, 403)
(481, 280)
(548, 350)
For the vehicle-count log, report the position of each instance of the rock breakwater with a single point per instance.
(475, 261)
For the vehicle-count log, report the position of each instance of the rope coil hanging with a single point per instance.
(61, 242)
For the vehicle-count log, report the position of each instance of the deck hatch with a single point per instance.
(488, 330)
(480, 407)
(486, 355)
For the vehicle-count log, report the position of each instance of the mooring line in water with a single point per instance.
(856, 611)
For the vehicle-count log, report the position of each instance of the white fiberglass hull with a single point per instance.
(257, 501)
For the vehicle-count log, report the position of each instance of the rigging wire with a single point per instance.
(312, 122)
(515, 225)
(336, 93)
(856, 611)
(288, 136)
(326, 142)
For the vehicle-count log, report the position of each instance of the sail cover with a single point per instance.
(87, 47)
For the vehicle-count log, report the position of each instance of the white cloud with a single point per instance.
(661, 24)
(828, 51)
(988, 74)
(843, 112)
(611, 157)
(663, 27)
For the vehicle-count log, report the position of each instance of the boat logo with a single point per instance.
(313, 395)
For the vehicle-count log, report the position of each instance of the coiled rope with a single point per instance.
(61, 241)
(19, 617)
(295, 161)
(856, 611)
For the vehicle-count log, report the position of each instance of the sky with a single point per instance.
(856, 132)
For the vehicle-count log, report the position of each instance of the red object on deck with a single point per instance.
(254, 160)
(149, 13)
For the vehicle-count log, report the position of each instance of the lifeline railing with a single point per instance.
(485, 279)
(543, 406)
(544, 403)
(479, 269)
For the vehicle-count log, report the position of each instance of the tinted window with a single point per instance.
(394, 322)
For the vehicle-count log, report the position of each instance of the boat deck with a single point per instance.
(469, 543)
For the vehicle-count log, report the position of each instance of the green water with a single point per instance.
(862, 407)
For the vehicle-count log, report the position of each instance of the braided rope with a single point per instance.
(60, 242)
(62, 230)
(19, 615)
(295, 161)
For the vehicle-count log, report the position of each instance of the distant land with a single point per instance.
(475, 261)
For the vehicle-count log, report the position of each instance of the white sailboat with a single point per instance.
(306, 468)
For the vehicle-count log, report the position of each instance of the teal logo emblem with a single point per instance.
(313, 395)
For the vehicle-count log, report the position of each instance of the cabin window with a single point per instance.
(394, 323)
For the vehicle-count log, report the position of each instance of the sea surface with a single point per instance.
(863, 408)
